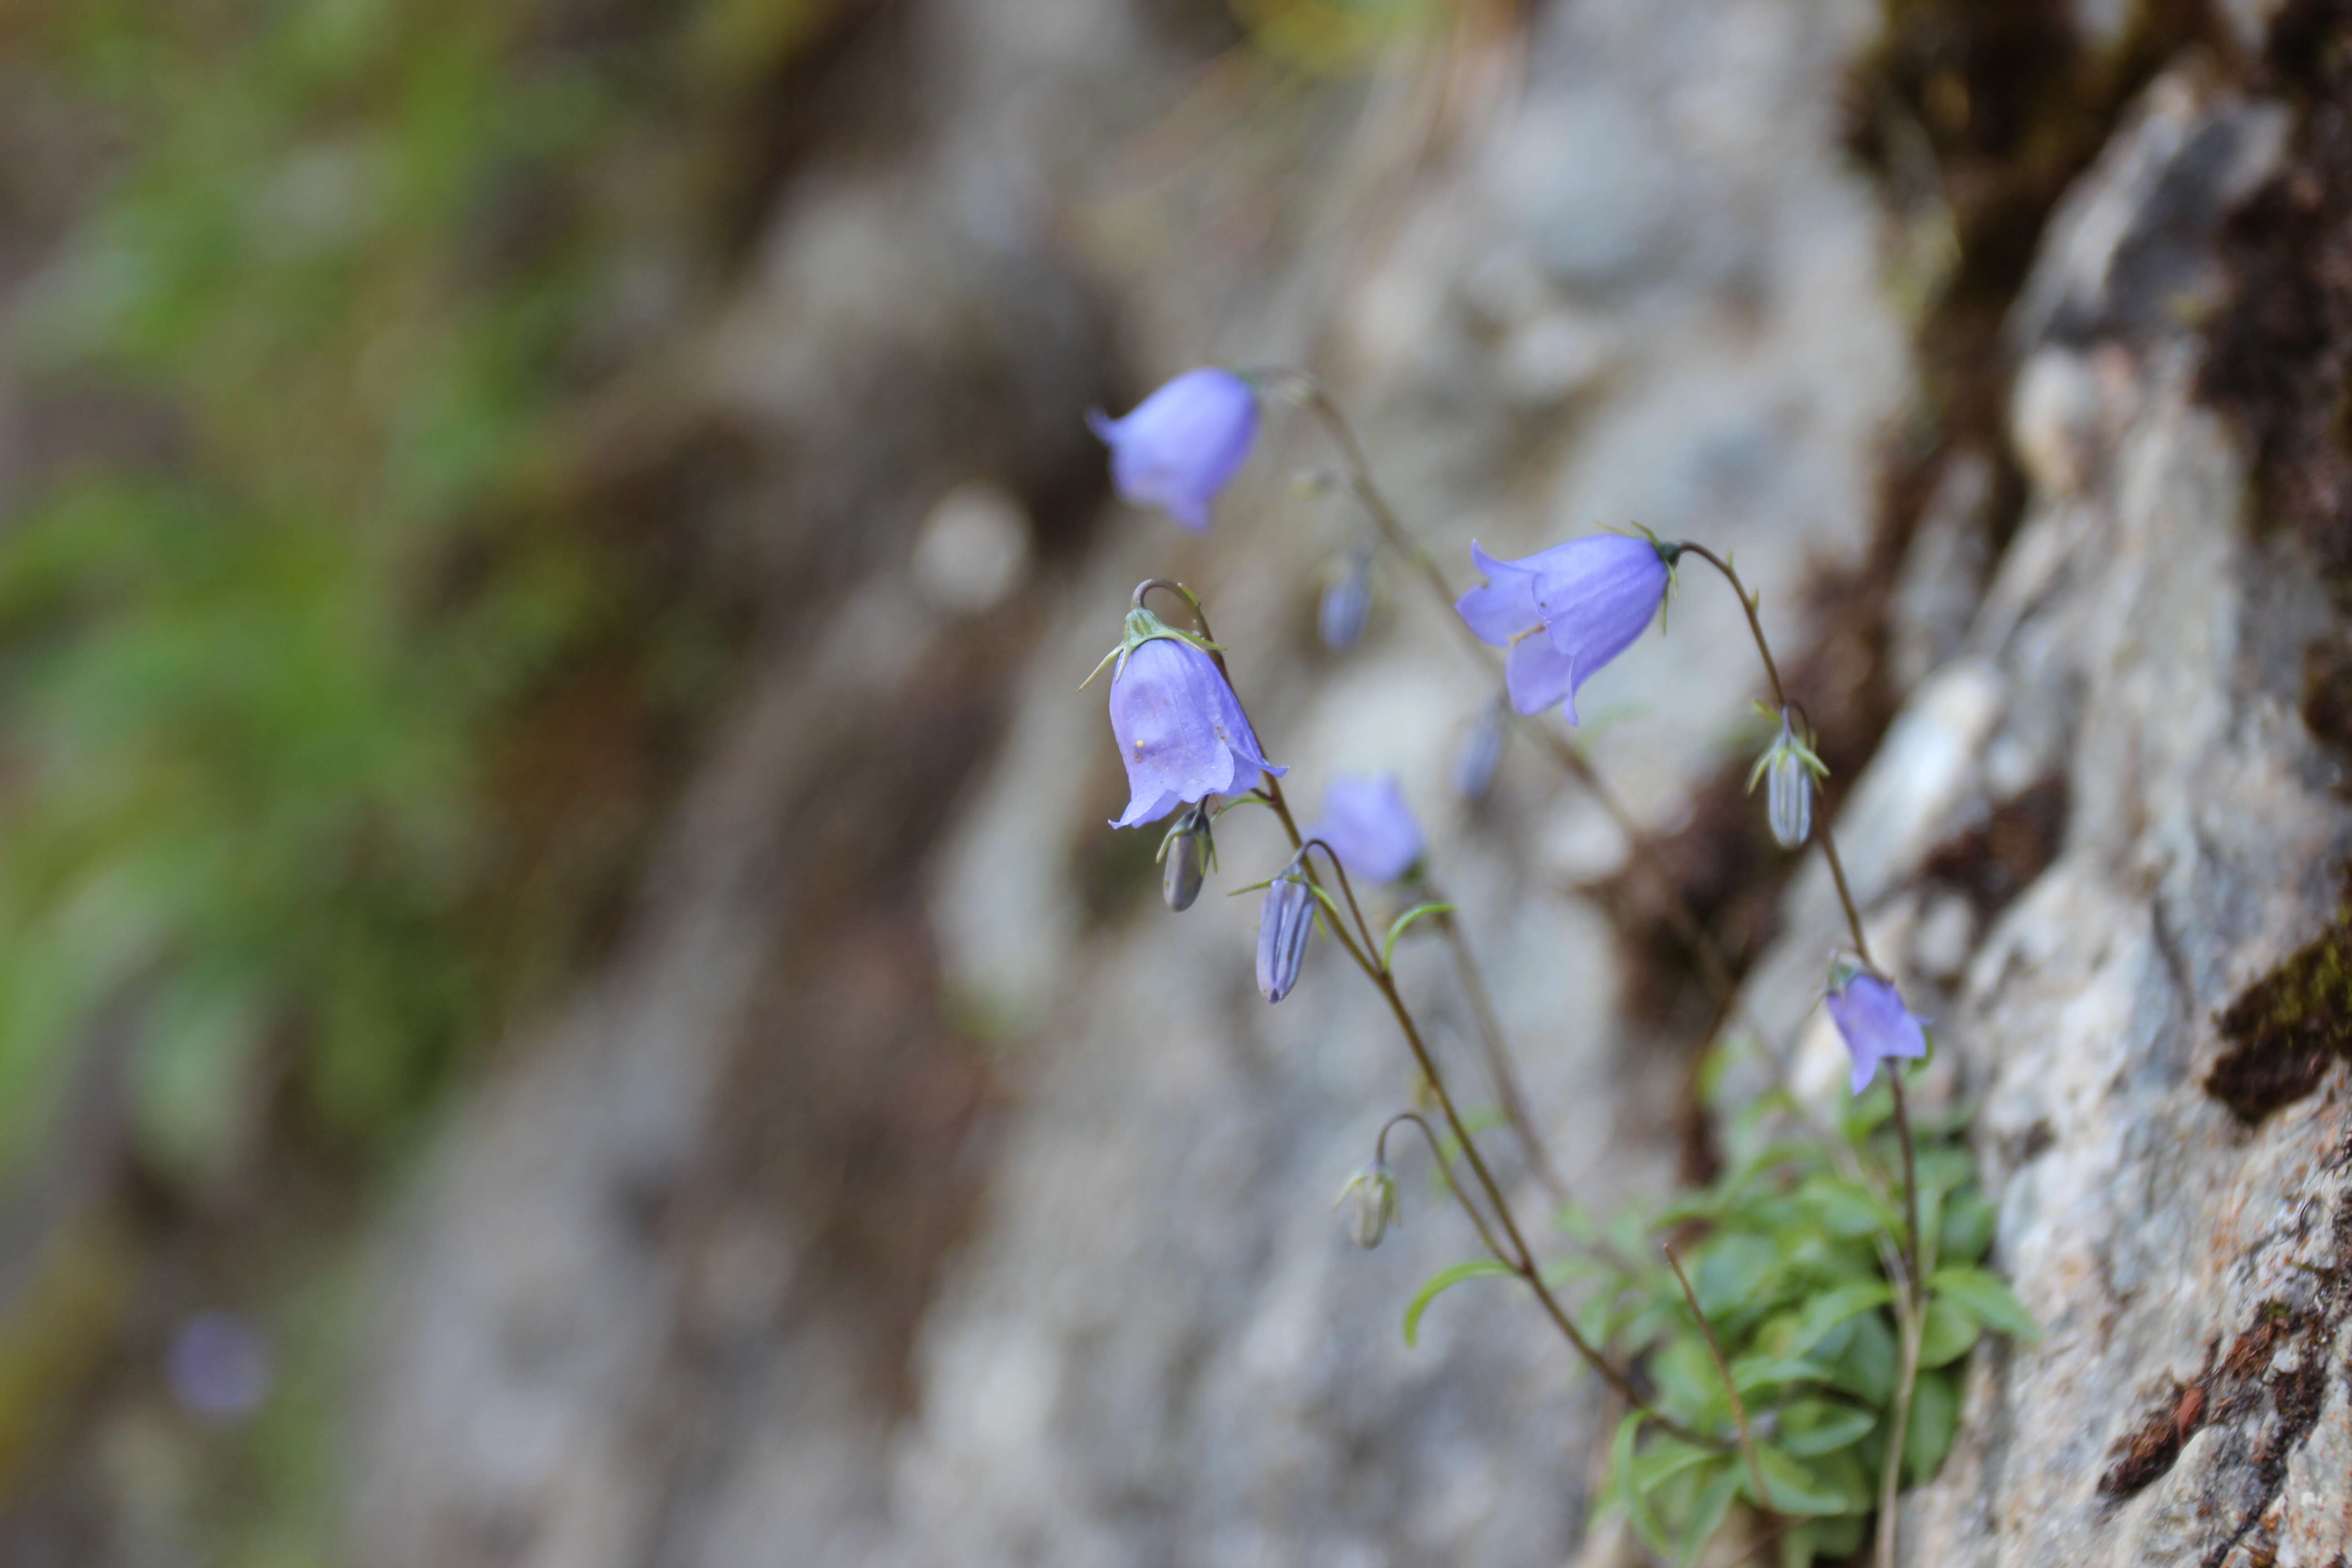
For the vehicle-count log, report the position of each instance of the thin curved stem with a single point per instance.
(1515, 1254)
(1713, 972)
(1723, 1370)
(1911, 1288)
(1445, 1168)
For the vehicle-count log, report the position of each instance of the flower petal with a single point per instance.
(1503, 606)
(1538, 676)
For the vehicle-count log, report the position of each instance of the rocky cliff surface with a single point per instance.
(987, 1222)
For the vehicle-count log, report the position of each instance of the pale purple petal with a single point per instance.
(1369, 825)
(1539, 677)
(1502, 608)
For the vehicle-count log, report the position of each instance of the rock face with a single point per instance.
(2177, 1216)
(1642, 286)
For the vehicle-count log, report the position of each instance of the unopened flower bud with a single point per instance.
(1347, 601)
(1284, 924)
(1373, 1191)
(1789, 769)
(1185, 855)
(1482, 751)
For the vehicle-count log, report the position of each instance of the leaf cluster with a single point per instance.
(1790, 1254)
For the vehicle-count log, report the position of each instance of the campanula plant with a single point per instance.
(1795, 1352)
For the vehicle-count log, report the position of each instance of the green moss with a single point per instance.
(2288, 1027)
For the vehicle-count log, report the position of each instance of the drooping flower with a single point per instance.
(1870, 1014)
(1789, 767)
(1180, 446)
(1375, 1191)
(1283, 924)
(1481, 751)
(1346, 602)
(1370, 828)
(1185, 857)
(1564, 612)
(1182, 732)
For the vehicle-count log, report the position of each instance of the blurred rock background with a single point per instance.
(566, 996)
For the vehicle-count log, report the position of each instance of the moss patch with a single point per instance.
(2286, 1029)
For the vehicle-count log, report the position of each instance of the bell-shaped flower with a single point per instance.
(1180, 446)
(1373, 1191)
(1370, 828)
(1564, 612)
(1284, 921)
(1185, 855)
(1870, 1014)
(1182, 732)
(1789, 767)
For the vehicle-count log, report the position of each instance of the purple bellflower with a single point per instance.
(1370, 828)
(1178, 448)
(1283, 924)
(1182, 732)
(1564, 612)
(1869, 1011)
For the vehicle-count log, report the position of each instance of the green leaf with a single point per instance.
(1811, 1426)
(1398, 926)
(1967, 1228)
(1706, 1518)
(1825, 1312)
(1664, 1459)
(1987, 1299)
(1795, 1489)
(1732, 1271)
(1837, 1539)
(1752, 1373)
(1845, 1209)
(1946, 1334)
(1864, 1362)
(1688, 1381)
(1637, 1507)
(1438, 1283)
(1935, 1416)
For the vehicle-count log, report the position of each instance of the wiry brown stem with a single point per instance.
(1723, 1370)
(1515, 1254)
(1911, 1289)
(1715, 973)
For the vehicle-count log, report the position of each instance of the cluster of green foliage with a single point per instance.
(254, 678)
(1791, 1254)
